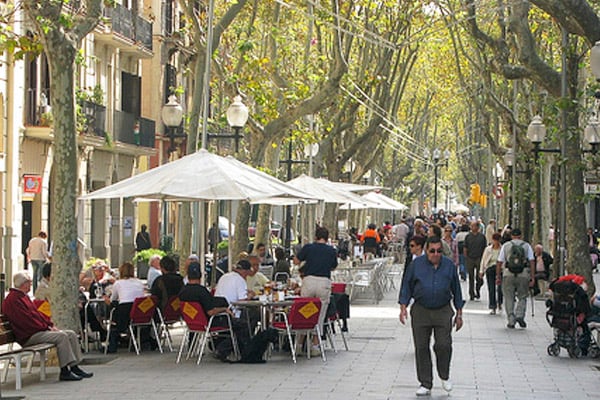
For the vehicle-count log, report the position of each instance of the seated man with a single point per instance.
(194, 291)
(255, 280)
(154, 270)
(264, 257)
(169, 283)
(233, 287)
(31, 327)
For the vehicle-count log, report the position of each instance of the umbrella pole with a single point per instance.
(202, 235)
(213, 280)
(230, 260)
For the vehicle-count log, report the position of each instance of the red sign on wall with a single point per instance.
(32, 183)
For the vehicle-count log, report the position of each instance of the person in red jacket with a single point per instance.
(31, 327)
(370, 239)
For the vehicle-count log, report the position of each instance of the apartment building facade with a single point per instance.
(125, 77)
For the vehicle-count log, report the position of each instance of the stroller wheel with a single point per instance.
(554, 350)
(574, 352)
(594, 352)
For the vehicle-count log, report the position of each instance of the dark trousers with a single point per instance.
(494, 291)
(120, 324)
(424, 321)
(475, 282)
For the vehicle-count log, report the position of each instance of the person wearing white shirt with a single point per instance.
(37, 255)
(154, 270)
(256, 280)
(233, 284)
(124, 292)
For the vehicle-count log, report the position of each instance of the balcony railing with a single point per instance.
(130, 26)
(132, 130)
(94, 118)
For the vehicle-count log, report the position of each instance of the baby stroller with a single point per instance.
(567, 313)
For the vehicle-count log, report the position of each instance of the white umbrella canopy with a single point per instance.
(355, 187)
(459, 208)
(201, 176)
(324, 190)
(385, 202)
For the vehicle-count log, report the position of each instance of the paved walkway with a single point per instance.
(489, 362)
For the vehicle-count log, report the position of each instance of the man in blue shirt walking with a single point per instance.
(432, 281)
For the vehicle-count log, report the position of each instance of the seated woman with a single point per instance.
(124, 291)
(96, 311)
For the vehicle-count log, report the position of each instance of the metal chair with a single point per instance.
(266, 270)
(331, 320)
(141, 315)
(302, 318)
(281, 277)
(201, 327)
(169, 317)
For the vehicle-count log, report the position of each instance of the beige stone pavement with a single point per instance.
(489, 362)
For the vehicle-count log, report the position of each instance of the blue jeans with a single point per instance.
(36, 274)
(462, 270)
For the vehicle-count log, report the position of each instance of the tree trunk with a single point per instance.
(578, 254)
(61, 42)
(65, 262)
(240, 239)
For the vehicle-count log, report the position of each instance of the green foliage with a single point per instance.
(80, 58)
(93, 95)
(46, 119)
(144, 255)
(17, 45)
(108, 140)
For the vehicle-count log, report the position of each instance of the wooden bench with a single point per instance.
(8, 354)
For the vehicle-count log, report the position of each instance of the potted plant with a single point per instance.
(47, 119)
(142, 258)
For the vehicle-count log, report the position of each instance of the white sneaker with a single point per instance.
(423, 391)
(447, 385)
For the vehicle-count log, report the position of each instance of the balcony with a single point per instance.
(128, 31)
(93, 119)
(36, 105)
(132, 130)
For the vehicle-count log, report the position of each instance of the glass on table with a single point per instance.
(268, 289)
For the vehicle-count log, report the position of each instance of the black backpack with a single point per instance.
(516, 261)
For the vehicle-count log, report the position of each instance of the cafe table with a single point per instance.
(265, 305)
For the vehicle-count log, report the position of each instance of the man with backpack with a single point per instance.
(515, 269)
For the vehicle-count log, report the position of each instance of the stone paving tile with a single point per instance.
(489, 362)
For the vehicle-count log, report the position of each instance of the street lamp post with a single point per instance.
(288, 209)
(172, 115)
(437, 163)
(237, 116)
(536, 133)
(509, 158)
